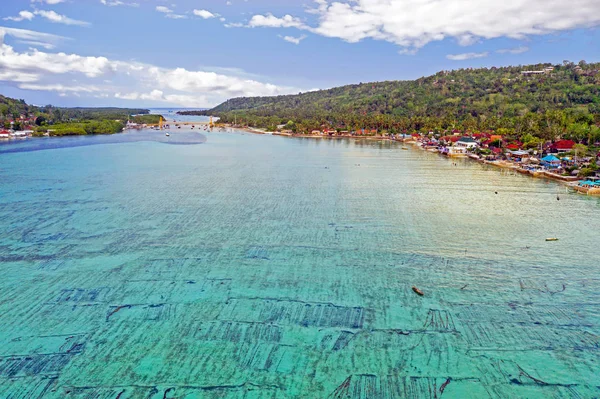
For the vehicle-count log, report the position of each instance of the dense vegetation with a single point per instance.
(82, 128)
(69, 121)
(68, 114)
(11, 108)
(564, 102)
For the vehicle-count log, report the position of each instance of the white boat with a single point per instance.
(167, 134)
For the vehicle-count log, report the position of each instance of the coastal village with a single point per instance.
(17, 128)
(574, 163)
(564, 160)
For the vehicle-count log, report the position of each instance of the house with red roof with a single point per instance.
(4, 134)
(562, 146)
(514, 146)
(452, 139)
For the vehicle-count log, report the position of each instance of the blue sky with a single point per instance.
(198, 53)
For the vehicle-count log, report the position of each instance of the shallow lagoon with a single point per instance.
(266, 267)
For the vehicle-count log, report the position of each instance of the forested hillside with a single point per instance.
(11, 108)
(18, 115)
(563, 100)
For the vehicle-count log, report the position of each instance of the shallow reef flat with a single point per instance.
(263, 267)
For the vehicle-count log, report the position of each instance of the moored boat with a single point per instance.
(591, 186)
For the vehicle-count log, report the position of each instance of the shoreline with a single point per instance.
(567, 181)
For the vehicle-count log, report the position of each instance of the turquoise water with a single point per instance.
(266, 267)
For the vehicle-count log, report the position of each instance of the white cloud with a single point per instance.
(35, 44)
(182, 80)
(17, 76)
(134, 81)
(271, 21)
(59, 88)
(516, 50)
(204, 14)
(49, 15)
(466, 56)
(292, 39)
(29, 35)
(154, 95)
(114, 3)
(169, 13)
(51, 2)
(23, 15)
(55, 63)
(414, 23)
(59, 19)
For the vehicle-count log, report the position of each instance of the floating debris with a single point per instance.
(552, 239)
(417, 291)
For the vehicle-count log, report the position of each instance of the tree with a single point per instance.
(579, 149)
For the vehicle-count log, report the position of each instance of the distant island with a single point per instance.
(18, 116)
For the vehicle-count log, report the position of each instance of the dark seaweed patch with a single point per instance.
(257, 253)
(82, 295)
(239, 332)
(312, 315)
(370, 386)
(528, 336)
(153, 312)
(289, 312)
(33, 388)
(51, 264)
(47, 365)
(439, 320)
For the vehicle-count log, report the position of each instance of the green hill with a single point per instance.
(69, 121)
(11, 108)
(563, 99)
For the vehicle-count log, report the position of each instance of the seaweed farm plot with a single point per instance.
(255, 267)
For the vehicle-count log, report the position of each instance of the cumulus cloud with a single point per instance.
(51, 16)
(23, 15)
(415, 23)
(55, 63)
(271, 21)
(516, 50)
(133, 81)
(292, 39)
(164, 9)
(18, 76)
(466, 56)
(204, 14)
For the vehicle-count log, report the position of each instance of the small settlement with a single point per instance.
(18, 128)
(564, 160)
